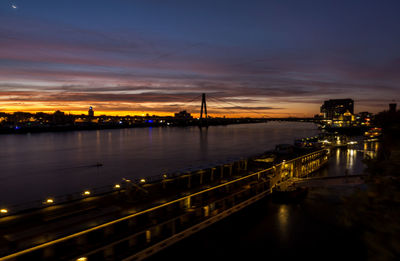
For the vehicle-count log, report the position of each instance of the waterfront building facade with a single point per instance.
(338, 112)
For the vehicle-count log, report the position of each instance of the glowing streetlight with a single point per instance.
(3, 211)
(86, 193)
(117, 186)
(49, 201)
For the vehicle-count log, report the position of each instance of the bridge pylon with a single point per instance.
(203, 121)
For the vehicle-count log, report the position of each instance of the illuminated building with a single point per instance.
(334, 108)
(364, 118)
(91, 111)
(338, 112)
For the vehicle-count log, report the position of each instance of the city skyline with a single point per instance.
(258, 59)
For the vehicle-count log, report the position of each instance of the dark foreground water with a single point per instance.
(269, 231)
(35, 166)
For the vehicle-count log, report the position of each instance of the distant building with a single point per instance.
(58, 117)
(91, 112)
(338, 112)
(392, 107)
(183, 115)
(364, 118)
(334, 108)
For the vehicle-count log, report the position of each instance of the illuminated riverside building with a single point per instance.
(339, 113)
(364, 118)
(91, 112)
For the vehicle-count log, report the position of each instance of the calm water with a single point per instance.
(349, 160)
(35, 166)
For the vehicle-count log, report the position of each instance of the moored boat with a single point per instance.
(289, 194)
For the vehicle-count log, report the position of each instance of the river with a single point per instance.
(39, 165)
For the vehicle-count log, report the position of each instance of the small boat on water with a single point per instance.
(289, 194)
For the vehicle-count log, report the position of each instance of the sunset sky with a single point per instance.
(255, 58)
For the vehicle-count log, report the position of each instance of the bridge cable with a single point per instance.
(218, 100)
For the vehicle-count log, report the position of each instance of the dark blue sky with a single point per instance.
(277, 57)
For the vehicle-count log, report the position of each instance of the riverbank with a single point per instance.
(23, 128)
(374, 210)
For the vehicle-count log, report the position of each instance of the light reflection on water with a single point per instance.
(283, 218)
(338, 157)
(351, 157)
(371, 150)
(350, 160)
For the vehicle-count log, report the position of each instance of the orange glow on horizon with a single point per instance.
(111, 109)
(165, 114)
